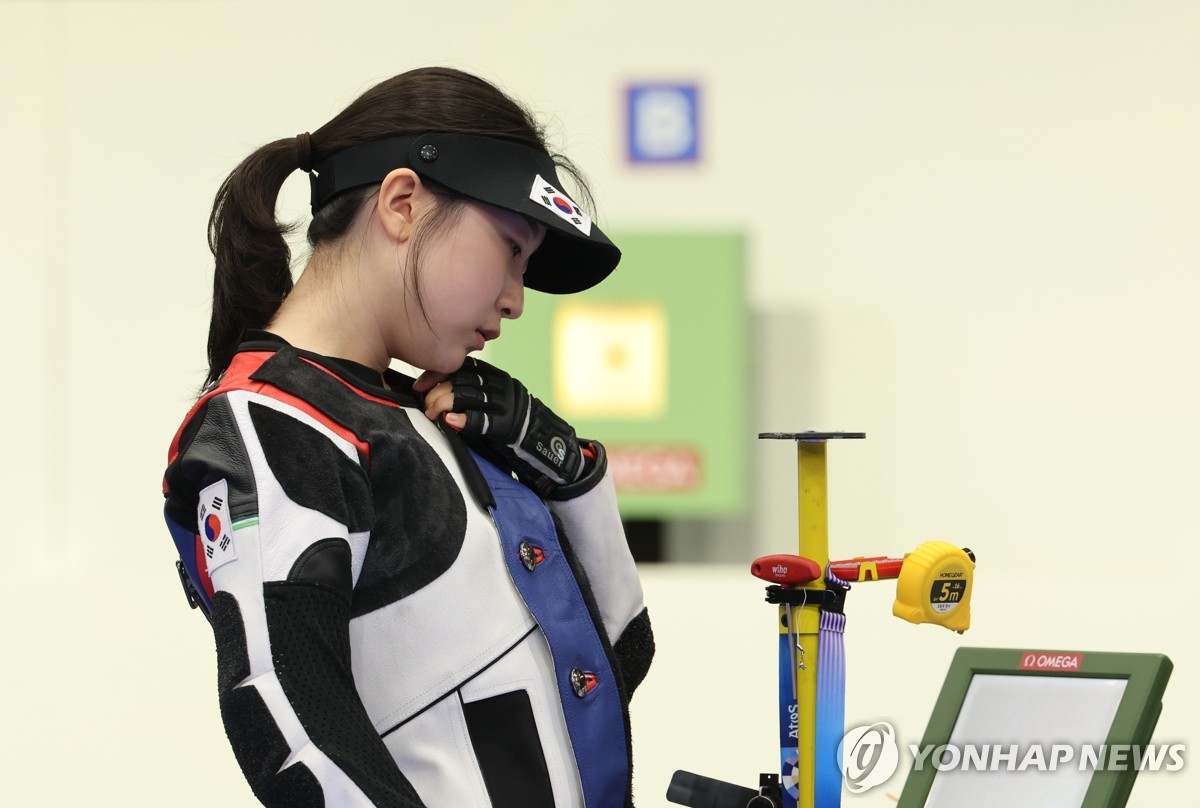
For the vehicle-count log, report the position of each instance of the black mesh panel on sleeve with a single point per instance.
(257, 743)
(310, 645)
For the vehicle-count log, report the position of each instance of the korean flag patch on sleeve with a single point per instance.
(560, 205)
(215, 527)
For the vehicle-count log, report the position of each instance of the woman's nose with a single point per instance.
(512, 299)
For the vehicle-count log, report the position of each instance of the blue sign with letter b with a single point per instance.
(664, 125)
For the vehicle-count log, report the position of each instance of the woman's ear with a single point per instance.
(401, 194)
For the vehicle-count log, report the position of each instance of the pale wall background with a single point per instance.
(972, 234)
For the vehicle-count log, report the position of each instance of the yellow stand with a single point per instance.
(814, 544)
(813, 515)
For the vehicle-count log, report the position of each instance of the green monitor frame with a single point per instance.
(1135, 708)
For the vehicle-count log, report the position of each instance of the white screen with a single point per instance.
(1026, 710)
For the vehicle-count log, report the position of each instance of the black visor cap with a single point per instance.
(575, 254)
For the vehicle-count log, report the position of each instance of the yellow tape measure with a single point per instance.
(934, 586)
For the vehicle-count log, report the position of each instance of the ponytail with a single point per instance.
(253, 262)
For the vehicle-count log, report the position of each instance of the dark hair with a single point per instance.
(253, 262)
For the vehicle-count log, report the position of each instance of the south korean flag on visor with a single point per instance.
(560, 205)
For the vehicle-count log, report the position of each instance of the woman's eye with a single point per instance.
(516, 248)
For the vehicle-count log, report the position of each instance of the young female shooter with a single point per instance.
(420, 589)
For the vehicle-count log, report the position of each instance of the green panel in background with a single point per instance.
(652, 363)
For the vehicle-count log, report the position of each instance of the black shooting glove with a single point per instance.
(537, 445)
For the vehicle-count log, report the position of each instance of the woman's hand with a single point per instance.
(484, 402)
(439, 398)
